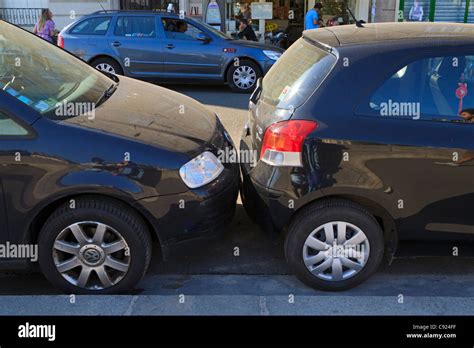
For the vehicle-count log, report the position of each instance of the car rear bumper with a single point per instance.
(271, 209)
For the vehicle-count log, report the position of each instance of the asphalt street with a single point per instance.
(211, 279)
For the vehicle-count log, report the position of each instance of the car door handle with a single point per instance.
(116, 44)
(170, 46)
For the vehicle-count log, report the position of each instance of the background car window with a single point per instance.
(180, 30)
(92, 26)
(435, 88)
(135, 26)
(10, 127)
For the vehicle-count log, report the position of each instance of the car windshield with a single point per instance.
(45, 77)
(214, 30)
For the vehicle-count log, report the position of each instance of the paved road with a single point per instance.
(212, 280)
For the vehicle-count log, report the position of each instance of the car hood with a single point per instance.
(254, 44)
(157, 116)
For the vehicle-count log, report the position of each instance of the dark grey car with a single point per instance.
(166, 47)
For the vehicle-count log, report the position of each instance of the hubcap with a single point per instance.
(91, 255)
(244, 77)
(106, 67)
(336, 251)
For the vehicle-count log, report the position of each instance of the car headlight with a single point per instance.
(272, 54)
(201, 170)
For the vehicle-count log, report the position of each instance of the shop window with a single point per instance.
(470, 13)
(450, 11)
(432, 89)
(416, 11)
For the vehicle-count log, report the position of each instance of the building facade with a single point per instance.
(287, 14)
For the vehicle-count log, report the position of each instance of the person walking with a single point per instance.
(312, 17)
(45, 26)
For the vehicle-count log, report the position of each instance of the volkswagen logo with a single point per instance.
(91, 255)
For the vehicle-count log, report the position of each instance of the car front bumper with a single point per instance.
(196, 215)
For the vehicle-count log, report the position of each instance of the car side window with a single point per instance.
(436, 89)
(136, 26)
(92, 26)
(180, 30)
(9, 127)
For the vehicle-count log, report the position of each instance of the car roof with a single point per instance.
(373, 33)
(134, 12)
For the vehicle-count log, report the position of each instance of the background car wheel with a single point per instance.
(97, 247)
(243, 78)
(108, 65)
(334, 245)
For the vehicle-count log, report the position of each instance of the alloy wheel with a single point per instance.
(336, 251)
(91, 255)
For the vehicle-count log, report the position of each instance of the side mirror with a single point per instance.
(203, 37)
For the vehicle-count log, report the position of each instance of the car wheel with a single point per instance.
(96, 247)
(107, 65)
(243, 77)
(335, 245)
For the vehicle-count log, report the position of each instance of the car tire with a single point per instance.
(110, 259)
(249, 73)
(107, 65)
(318, 268)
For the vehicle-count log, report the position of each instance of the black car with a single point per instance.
(365, 136)
(94, 168)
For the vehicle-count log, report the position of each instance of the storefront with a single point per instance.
(155, 5)
(288, 15)
(460, 11)
(211, 11)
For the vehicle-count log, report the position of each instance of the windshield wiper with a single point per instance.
(107, 94)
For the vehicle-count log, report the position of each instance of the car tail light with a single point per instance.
(60, 41)
(283, 142)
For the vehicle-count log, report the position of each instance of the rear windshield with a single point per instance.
(296, 75)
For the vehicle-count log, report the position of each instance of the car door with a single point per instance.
(3, 215)
(14, 173)
(135, 40)
(429, 172)
(88, 38)
(186, 52)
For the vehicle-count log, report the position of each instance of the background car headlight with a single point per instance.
(272, 54)
(201, 170)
